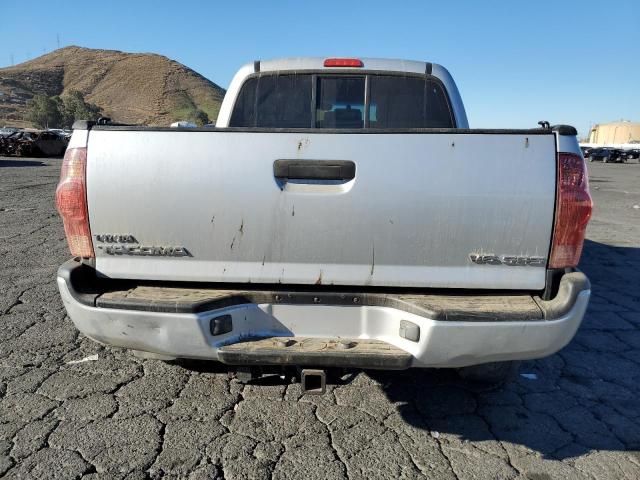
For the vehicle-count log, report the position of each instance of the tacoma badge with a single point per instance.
(116, 244)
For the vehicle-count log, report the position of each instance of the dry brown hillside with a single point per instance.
(128, 87)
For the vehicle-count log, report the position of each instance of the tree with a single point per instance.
(44, 112)
(56, 112)
(199, 117)
(73, 107)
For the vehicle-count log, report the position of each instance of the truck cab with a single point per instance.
(385, 94)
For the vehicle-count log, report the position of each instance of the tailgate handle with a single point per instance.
(314, 170)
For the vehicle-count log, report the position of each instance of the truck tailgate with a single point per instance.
(418, 208)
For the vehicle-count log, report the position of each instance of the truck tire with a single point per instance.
(489, 375)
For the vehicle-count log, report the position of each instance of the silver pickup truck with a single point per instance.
(341, 213)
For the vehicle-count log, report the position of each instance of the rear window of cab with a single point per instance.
(341, 101)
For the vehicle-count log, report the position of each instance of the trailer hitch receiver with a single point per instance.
(314, 382)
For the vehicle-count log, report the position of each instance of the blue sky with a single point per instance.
(515, 62)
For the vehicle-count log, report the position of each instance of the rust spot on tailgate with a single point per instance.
(303, 143)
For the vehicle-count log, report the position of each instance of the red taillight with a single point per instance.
(71, 200)
(573, 211)
(343, 62)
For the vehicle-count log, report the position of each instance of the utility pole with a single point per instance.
(11, 59)
(58, 39)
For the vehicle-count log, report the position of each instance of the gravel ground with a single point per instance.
(121, 417)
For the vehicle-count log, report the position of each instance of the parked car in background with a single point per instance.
(61, 132)
(6, 131)
(631, 154)
(33, 143)
(183, 124)
(606, 155)
(585, 151)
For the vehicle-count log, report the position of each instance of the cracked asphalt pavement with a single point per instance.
(577, 416)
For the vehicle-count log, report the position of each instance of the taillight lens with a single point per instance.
(573, 211)
(71, 200)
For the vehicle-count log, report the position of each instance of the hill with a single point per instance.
(139, 88)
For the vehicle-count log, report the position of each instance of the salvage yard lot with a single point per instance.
(573, 415)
